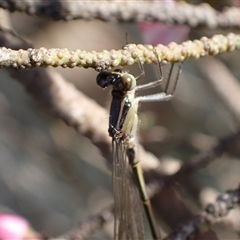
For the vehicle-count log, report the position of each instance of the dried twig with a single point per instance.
(201, 160)
(212, 214)
(91, 225)
(223, 83)
(130, 11)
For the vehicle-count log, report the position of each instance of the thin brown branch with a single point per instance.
(211, 215)
(129, 55)
(129, 11)
(9, 34)
(223, 83)
(200, 160)
(89, 226)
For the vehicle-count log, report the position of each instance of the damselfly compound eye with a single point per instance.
(128, 81)
(102, 79)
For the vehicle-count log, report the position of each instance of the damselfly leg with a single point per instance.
(168, 91)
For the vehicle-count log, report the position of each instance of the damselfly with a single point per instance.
(128, 180)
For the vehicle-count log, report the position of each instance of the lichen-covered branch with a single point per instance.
(129, 55)
(130, 11)
(212, 214)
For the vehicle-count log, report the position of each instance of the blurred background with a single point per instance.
(54, 177)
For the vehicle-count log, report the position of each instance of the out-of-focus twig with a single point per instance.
(5, 21)
(204, 158)
(212, 214)
(200, 160)
(89, 226)
(129, 55)
(223, 83)
(9, 34)
(130, 11)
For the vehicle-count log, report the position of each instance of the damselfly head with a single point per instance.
(119, 79)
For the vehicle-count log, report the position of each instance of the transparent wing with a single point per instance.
(128, 223)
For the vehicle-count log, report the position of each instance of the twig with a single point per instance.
(200, 160)
(130, 11)
(129, 55)
(212, 214)
(88, 227)
(223, 83)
